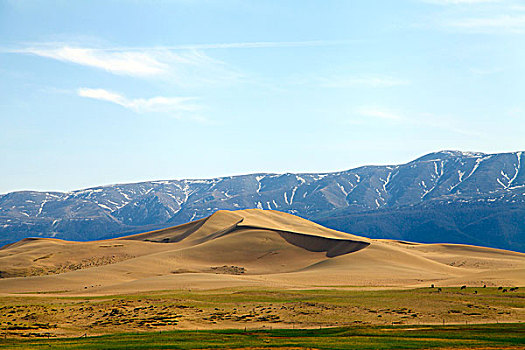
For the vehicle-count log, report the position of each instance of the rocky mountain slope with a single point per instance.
(447, 196)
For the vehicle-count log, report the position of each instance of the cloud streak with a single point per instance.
(426, 120)
(506, 23)
(158, 104)
(186, 68)
(482, 16)
(461, 2)
(139, 64)
(367, 81)
(237, 45)
(150, 61)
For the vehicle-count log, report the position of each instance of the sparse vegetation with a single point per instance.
(59, 316)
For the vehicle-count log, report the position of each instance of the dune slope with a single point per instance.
(246, 248)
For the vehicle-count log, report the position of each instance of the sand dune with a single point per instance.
(247, 248)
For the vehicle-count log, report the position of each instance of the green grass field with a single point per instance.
(349, 318)
(493, 336)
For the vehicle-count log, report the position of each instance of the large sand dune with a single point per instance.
(247, 248)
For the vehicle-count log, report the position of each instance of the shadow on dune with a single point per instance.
(332, 247)
(222, 224)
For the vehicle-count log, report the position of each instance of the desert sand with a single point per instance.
(247, 248)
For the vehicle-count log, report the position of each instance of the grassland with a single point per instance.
(57, 316)
(494, 336)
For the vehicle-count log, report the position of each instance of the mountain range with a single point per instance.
(446, 196)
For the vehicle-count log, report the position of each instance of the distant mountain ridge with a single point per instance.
(446, 196)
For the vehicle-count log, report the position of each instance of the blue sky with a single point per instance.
(101, 92)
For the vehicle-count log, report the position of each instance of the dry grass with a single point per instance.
(57, 316)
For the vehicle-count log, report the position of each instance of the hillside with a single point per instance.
(447, 196)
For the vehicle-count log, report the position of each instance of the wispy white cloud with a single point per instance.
(461, 2)
(143, 105)
(367, 81)
(187, 64)
(426, 120)
(485, 71)
(343, 81)
(140, 64)
(482, 16)
(514, 23)
(185, 67)
(238, 45)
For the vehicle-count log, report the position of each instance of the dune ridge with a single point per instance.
(246, 248)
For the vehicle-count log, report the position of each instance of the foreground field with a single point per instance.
(50, 316)
(495, 336)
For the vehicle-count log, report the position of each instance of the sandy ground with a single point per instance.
(248, 248)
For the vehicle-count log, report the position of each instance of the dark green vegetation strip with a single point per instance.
(495, 336)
